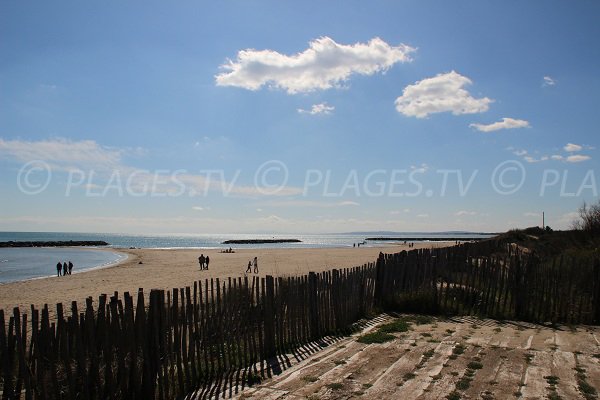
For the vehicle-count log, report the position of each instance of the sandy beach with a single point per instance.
(175, 268)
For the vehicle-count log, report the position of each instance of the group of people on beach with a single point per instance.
(64, 268)
(203, 261)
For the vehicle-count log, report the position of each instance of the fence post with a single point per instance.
(269, 317)
(596, 293)
(379, 272)
(313, 304)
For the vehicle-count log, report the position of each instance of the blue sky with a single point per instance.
(270, 116)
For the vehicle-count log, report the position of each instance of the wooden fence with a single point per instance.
(188, 338)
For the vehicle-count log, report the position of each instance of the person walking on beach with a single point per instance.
(65, 267)
(201, 260)
(255, 265)
(70, 267)
(58, 268)
(249, 269)
(207, 261)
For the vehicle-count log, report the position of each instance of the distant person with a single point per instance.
(65, 268)
(70, 267)
(201, 261)
(256, 265)
(249, 269)
(353, 244)
(207, 261)
(58, 268)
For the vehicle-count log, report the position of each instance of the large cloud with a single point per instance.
(325, 64)
(442, 93)
(506, 123)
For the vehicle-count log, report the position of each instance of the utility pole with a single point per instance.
(543, 220)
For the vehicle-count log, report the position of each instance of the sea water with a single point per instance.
(18, 264)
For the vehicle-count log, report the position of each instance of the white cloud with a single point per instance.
(577, 158)
(506, 123)
(463, 213)
(442, 93)
(548, 81)
(200, 208)
(571, 147)
(63, 153)
(520, 153)
(556, 157)
(311, 203)
(324, 65)
(321, 108)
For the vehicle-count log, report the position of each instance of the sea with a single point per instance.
(17, 264)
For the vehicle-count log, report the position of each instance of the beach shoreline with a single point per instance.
(175, 268)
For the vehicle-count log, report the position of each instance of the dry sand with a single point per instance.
(167, 269)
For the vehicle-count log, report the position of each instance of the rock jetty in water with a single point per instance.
(261, 241)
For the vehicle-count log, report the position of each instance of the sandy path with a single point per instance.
(167, 269)
(420, 365)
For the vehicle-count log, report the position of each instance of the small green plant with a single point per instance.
(458, 349)
(398, 325)
(552, 380)
(309, 378)
(366, 385)
(336, 386)
(375, 337)
(453, 396)
(409, 375)
(475, 365)
(463, 384)
(588, 391)
(339, 362)
(554, 396)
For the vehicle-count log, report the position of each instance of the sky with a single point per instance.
(297, 117)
